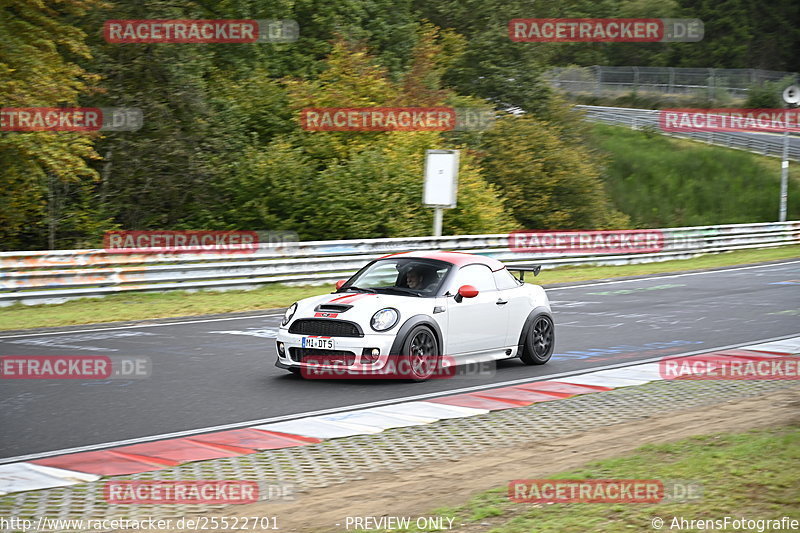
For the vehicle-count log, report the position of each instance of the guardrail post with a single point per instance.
(598, 79)
(784, 176)
(712, 82)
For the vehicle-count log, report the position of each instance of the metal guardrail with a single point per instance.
(599, 79)
(768, 144)
(60, 275)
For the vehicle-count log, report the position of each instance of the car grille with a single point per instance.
(323, 357)
(325, 328)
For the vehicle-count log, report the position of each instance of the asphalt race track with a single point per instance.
(217, 371)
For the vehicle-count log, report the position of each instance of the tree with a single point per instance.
(492, 66)
(38, 67)
(161, 175)
(547, 183)
(336, 185)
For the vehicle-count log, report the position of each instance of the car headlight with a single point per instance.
(384, 319)
(287, 316)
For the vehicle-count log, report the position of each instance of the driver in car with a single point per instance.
(414, 279)
(420, 279)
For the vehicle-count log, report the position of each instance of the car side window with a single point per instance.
(479, 276)
(505, 279)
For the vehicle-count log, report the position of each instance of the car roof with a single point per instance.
(455, 258)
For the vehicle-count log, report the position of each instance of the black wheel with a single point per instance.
(539, 342)
(420, 356)
(295, 371)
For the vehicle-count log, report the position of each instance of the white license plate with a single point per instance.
(322, 343)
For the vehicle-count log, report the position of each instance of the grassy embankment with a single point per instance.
(746, 475)
(663, 182)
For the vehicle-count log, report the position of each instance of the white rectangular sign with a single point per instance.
(441, 178)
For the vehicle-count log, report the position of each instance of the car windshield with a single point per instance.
(408, 276)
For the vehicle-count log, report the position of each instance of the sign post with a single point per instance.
(441, 184)
(792, 97)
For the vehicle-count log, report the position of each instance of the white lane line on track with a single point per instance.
(68, 332)
(250, 423)
(71, 331)
(648, 278)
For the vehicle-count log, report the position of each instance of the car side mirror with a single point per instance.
(340, 283)
(466, 291)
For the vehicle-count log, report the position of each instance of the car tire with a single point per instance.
(540, 341)
(419, 357)
(295, 371)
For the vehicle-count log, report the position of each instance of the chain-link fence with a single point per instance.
(598, 80)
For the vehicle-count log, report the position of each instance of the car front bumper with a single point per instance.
(352, 361)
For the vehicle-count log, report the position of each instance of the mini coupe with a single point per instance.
(418, 306)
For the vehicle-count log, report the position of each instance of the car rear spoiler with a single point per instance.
(523, 269)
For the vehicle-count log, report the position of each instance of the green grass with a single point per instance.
(746, 475)
(141, 306)
(663, 182)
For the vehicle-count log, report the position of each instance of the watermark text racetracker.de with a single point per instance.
(590, 241)
(611, 30)
(730, 120)
(179, 241)
(195, 492)
(396, 118)
(196, 241)
(200, 31)
(604, 491)
(325, 366)
(80, 119)
(74, 367)
(730, 368)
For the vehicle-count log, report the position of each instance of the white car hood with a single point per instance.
(364, 305)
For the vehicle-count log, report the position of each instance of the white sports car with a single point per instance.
(416, 307)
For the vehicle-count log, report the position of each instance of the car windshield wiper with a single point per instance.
(358, 289)
(401, 290)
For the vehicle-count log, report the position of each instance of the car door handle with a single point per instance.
(501, 302)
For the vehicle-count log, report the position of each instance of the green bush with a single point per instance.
(767, 95)
(547, 182)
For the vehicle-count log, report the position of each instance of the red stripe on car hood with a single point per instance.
(350, 297)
